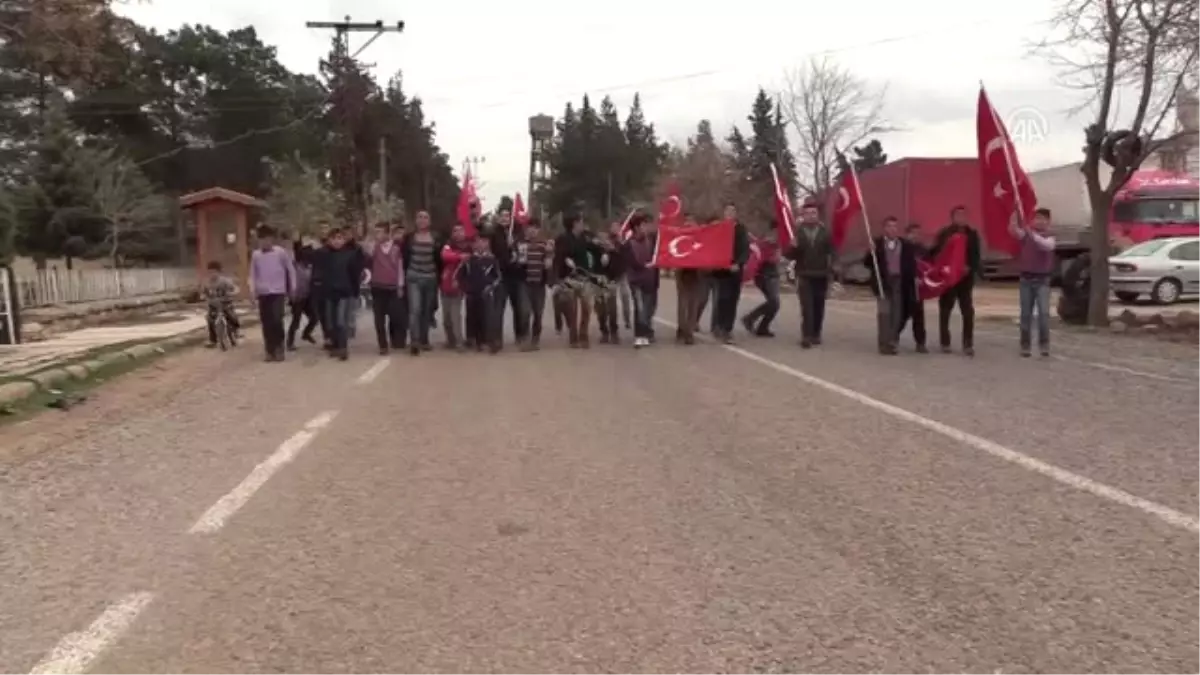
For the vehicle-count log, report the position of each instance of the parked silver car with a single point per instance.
(1164, 269)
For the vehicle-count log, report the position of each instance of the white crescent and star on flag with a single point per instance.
(683, 245)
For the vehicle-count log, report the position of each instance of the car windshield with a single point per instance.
(1146, 248)
(1156, 211)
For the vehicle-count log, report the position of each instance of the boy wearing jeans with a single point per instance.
(1035, 262)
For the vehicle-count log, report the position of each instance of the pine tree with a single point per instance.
(646, 156)
(767, 146)
(55, 208)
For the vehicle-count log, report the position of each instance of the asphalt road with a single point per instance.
(749, 509)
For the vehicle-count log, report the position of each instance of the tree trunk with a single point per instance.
(1099, 247)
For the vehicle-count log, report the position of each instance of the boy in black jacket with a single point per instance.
(611, 266)
(342, 272)
(480, 278)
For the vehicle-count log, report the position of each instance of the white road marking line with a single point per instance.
(1166, 514)
(1127, 371)
(1065, 359)
(75, 652)
(214, 518)
(373, 372)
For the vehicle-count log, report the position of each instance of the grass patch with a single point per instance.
(74, 359)
(70, 388)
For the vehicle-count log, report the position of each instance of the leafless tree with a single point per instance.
(830, 110)
(1145, 50)
(124, 198)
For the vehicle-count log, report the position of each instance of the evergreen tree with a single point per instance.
(56, 198)
(600, 166)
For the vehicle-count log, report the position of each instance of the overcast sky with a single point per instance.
(483, 67)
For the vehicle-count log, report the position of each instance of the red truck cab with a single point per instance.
(1154, 205)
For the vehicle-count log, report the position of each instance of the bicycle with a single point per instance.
(226, 336)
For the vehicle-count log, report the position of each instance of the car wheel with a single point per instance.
(1127, 297)
(1166, 291)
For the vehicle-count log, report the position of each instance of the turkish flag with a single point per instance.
(706, 247)
(783, 209)
(849, 205)
(943, 272)
(1004, 187)
(465, 197)
(670, 211)
(626, 231)
(519, 215)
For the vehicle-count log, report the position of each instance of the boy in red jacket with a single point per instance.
(454, 254)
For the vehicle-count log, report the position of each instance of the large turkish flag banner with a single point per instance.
(704, 247)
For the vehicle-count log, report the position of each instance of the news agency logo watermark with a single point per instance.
(1027, 125)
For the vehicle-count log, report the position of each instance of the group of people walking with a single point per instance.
(409, 276)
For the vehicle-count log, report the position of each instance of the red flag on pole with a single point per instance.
(943, 272)
(700, 247)
(670, 211)
(519, 215)
(1004, 187)
(466, 197)
(849, 204)
(783, 210)
(625, 232)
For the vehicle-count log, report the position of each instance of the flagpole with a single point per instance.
(1012, 176)
(867, 227)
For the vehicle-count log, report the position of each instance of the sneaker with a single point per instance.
(947, 349)
(806, 344)
(748, 325)
(968, 351)
(415, 350)
(1026, 352)
(922, 349)
(1045, 352)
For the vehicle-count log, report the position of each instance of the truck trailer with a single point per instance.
(923, 190)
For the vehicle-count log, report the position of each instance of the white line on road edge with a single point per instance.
(214, 518)
(373, 372)
(75, 652)
(1167, 515)
(1066, 359)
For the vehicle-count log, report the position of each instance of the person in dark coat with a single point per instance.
(962, 293)
(893, 266)
(916, 313)
(342, 271)
(727, 283)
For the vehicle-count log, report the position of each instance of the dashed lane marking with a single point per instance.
(76, 652)
(373, 372)
(220, 512)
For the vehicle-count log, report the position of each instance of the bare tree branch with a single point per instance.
(1148, 50)
(831, 110)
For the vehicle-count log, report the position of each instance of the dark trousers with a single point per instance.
(727, 294)
(270, 314)
(338, 313)
(391, 321)
(482, 324)
(707, 290)
(304, 308)
(510, 293)
(645, 304)
(535, 305)
(319, 300)
(760, 317)
(917, 314)
(690, 291)
(812, 292)
(963, 294)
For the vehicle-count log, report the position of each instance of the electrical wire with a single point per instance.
(509, 99)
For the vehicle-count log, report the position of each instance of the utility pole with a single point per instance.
(387, 212)
(342, 30)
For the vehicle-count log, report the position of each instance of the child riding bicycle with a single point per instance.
(219, 292)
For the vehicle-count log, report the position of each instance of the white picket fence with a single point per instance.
(60, 287)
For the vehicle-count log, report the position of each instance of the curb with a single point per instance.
(12, 393)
